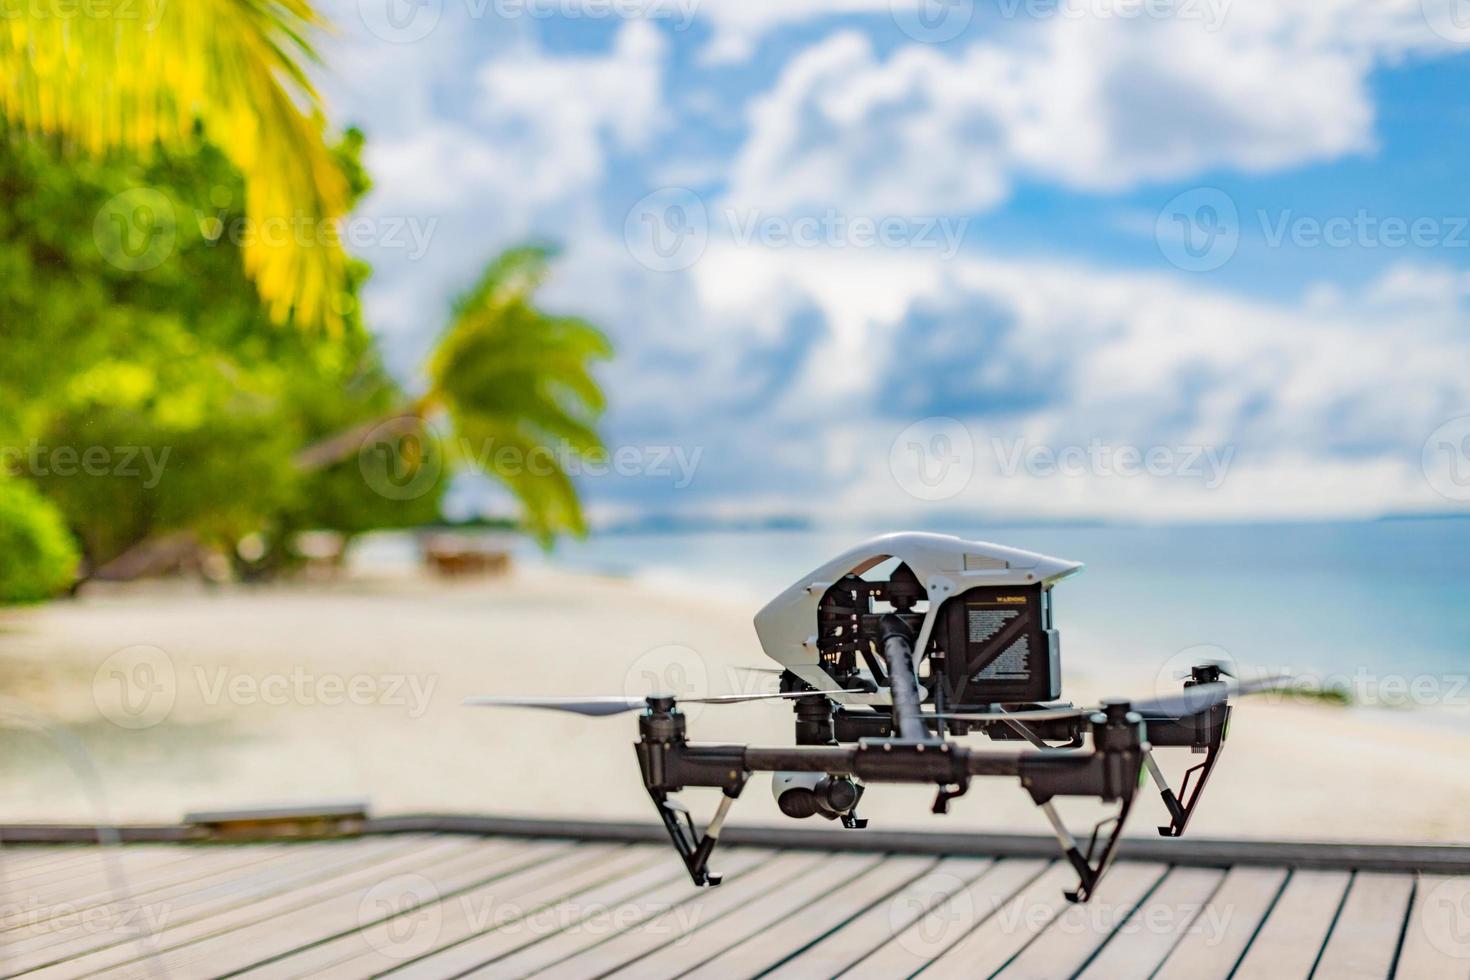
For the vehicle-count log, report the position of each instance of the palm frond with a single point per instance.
(135, 75)
(518, 384)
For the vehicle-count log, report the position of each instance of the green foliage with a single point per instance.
(517, 383)
(40, 558)
(178, 362)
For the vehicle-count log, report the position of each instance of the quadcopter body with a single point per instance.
(890, 654)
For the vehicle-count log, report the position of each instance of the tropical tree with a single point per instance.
(135, 76)
(516, 386)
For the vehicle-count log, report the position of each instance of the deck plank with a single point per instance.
(941, 927)
(841, 948)
(1144, 941)
(987, 948)
(1290, 940)
(768, 949)
(1072, 937)
(245, 906)
(309, 865)
(394, 941)
(571, 914)
(1217, 938)
(1366, 935)
(677, 924)
(359, 907)
(755, 918)
(604, 924)
(1437, 938)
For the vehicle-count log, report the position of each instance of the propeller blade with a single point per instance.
(604, 707)
(591, 707)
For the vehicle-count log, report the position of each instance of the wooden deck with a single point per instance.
(457, 898)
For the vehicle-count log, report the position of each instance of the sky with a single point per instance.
(1078, 259)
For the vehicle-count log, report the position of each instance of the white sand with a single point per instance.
(414, 649)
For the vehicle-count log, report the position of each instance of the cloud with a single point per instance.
(1092, 103)
(1313, 408)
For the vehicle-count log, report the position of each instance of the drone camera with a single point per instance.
(802, 795)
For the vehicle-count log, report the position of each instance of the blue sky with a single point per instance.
(868, 256)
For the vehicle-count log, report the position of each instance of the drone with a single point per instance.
(891, 653)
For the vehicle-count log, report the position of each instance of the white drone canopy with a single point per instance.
(945, 566)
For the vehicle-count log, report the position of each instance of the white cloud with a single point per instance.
(1092, 103)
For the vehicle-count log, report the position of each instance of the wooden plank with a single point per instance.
(1437, 938)
(987, 948)
(572, 913)
(754, 919)
(600, 924)
(359, 907)
(310, 864)
(677, 923)
(243, 907)
(151, 903)
(768, 949)
(1143, 942)
(1365, 938)
(1217, 938)
(859, 936)
(941, 927)
(416, 932)
(1072, 937)
(1289, 941)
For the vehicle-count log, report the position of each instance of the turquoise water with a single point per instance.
(1387, 597)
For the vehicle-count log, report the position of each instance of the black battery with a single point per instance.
(999, 647)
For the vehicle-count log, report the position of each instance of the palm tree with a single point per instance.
(159, 72)
(516, 385)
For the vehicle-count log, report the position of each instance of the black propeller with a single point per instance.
(602, 707)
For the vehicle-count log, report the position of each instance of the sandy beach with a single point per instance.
(186, 697)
